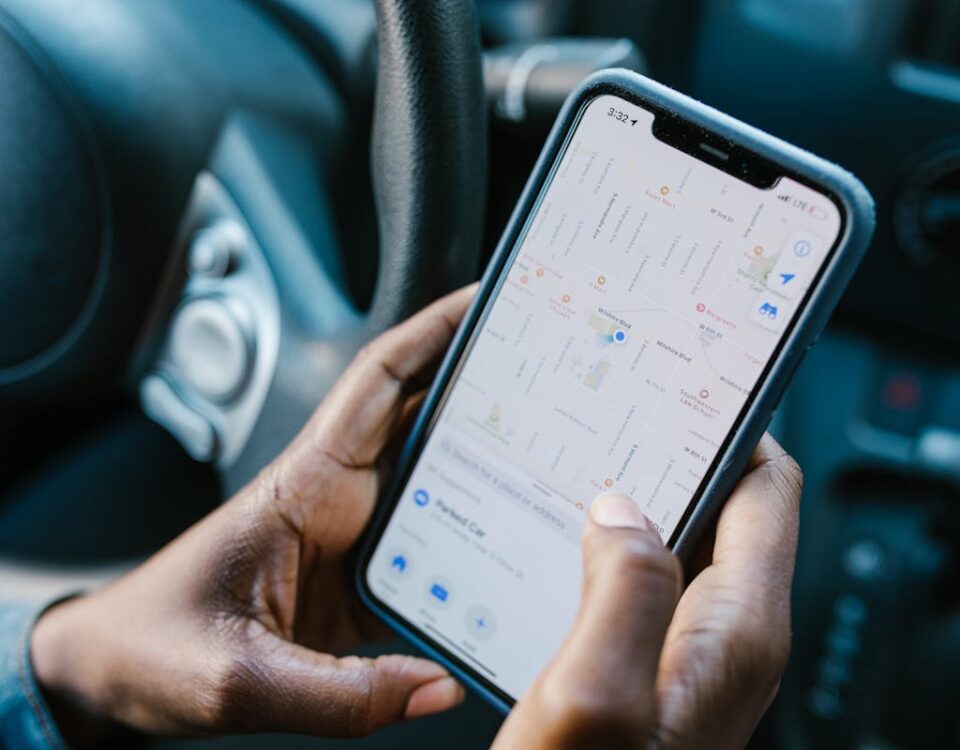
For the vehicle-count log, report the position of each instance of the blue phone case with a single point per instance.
(859, 219)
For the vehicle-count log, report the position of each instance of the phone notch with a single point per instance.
(715, 150)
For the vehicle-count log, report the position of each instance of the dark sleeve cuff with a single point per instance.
(25, 720)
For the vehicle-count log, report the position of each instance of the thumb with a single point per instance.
(312, 693)
(631, 585)
(601, 685)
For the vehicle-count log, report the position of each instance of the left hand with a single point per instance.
(241, 624)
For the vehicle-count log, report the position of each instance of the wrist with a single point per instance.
(69, 668)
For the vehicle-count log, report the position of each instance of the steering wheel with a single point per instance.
(185, 205)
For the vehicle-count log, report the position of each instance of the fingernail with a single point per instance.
(618, 511)
(434, 697)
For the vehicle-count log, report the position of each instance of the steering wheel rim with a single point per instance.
(429, 169)
(429, 152)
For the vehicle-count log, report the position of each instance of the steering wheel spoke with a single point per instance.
(256, 339)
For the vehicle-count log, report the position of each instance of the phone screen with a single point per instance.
(645, 296)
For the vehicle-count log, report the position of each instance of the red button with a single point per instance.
(902, 392)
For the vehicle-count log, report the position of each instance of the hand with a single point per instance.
(647, 667)
(240, 624)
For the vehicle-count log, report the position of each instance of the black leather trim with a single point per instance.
(429, 152)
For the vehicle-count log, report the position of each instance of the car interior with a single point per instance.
(207, 208)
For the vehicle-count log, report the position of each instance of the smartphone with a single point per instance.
(660, 280)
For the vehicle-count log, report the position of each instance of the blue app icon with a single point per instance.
(481, 623)
(399, 564)
(439, 592)
(421, 497)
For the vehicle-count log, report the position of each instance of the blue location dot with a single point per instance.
(421, 497)
(620, 336)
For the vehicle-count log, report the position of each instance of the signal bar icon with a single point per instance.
(783, 197)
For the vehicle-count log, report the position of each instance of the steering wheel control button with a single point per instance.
(210, 349)
(212, 254)
(439, 592)
(481, 623)
(165, 407)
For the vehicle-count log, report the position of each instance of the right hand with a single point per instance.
(647, 667)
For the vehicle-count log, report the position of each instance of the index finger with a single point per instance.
(730, 637)
(360, 413)
(756, 538)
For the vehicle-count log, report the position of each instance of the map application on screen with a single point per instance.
(636, 315)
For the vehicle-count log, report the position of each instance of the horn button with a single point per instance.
(51, 213)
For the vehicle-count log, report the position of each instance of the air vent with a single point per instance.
(927, 213)
(935, 32)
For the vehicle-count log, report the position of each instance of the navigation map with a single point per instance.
(648, 292)
(644, 301)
